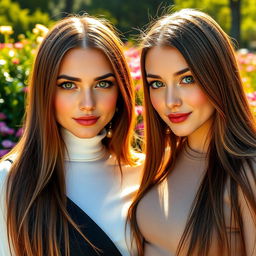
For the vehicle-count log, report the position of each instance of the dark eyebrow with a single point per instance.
(76, 79)
(153, 76)
(104, 76)
(71, 78)
(181, 71)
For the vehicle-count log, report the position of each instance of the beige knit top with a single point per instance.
(163, 212)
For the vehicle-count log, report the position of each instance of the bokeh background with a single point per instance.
(23, 24)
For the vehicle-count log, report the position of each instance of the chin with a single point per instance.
(85, 135)
(181, 133)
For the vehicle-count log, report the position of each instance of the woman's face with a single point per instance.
(87, 92)
(175, 95)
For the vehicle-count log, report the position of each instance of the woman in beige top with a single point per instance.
(197, 195)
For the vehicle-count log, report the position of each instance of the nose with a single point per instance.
(173, 98)
(87, 102)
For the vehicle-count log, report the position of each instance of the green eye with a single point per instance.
(104, 84)
(156, 84)
(187, 80)
(67, 85)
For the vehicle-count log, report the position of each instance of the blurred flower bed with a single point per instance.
(16, 60)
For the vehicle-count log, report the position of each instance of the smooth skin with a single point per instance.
(86, 88)
(173, 90)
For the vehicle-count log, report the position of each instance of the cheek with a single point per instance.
(61, 105)
(108, 101)
(157, 100)
(197, 98)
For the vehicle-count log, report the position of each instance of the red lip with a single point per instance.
(86, 120)
(178, 117)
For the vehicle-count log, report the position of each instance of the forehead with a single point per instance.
(85, 60)
(164, 59)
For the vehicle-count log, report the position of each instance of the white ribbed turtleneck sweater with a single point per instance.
(94, 183)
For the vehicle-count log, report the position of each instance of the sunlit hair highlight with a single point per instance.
(210, 56)
(36, 196)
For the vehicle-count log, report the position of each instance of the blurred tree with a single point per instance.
(236, 17)
(33, 5)
(133, 15)
(128, 16)
(20, 19)
(248, 21)
(218, 9)
(69, 6)
(235, 7)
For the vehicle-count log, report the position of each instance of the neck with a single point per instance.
(200, 139)
(84, 150)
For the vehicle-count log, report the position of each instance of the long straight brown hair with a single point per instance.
(210, 56)
(36, 196)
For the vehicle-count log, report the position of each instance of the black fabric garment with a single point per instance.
(78, 246)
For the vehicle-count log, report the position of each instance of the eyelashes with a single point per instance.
(67, 85)
(156, 84)
(185, 80)
(103, 84)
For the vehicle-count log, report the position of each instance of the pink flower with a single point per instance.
(251, 96)
(140, 128)
(132, 53)
(25, 89)
(134, 64)
(2, 116)
(19, 132)
(3, 152)
(10, 131)
(6, 45)
(18, 45)
(138, 86)
(136, 75)
(250, 68)
(2, 124)
(4, 129)
(244, 79)
(7, 143)
(139, 110)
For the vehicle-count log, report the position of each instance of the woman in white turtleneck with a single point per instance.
(90, 165)
(67, 185)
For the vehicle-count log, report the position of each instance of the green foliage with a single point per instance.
(20, 19)
(220, 11)
(128, 16)
(248, 26)
(15, 63)
(33, 5)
